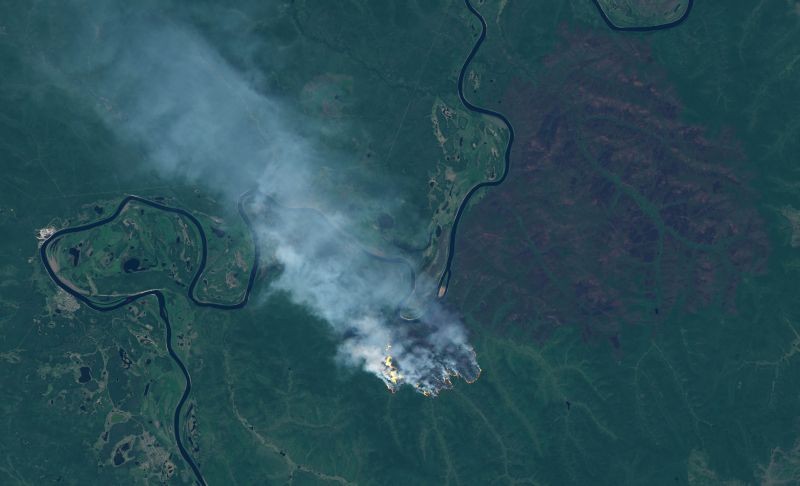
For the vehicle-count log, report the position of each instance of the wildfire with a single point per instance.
(390, 371)
(428, 385)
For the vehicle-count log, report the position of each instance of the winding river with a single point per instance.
(444, 279)
(451, 249)
(647, 28)
(162, 308)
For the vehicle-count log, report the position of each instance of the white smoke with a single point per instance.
(160, 85)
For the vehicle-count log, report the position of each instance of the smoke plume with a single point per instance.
(158, 84)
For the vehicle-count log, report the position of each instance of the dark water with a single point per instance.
(131, 265)
(76, 255)
(86, 374)
(118, 458)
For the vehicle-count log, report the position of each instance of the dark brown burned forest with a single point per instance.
(616, 211)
